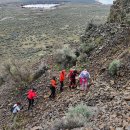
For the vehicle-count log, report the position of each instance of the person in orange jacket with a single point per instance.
(30, 96)
(62, 78)
(53, 87)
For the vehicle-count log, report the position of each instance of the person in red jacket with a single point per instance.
(72, 78)
(53, 87)
(62, 78)
(30, 96)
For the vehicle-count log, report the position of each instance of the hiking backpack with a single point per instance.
(12, 109)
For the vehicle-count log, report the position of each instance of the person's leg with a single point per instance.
(61, 86)
(29, 103)
(70, 84)
(83, 85)
(74, 83)
(32, 103)
(13, 116)
(80, 81)
(54, 92)
(14, 119)
(51, 92)
(86, 85)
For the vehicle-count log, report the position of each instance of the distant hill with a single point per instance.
(84, 1)
(51, 1)
(46, 1)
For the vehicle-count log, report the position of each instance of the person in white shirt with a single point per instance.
(15, 109)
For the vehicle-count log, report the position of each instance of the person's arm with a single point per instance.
(18, 108)
(89, 76)
(35, 95)
(53, 83)
(91, 81)
(80, 75)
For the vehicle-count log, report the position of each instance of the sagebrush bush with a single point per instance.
(67, 123)
(82, 58)
(90, 25)
(75, 118)
(113, 67)
(17, 72)
(39, 72)
(80, 110)
(23, 73)
(65, 56)
(87, 48)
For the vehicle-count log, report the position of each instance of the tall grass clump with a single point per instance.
(65, 56)
(113, 67)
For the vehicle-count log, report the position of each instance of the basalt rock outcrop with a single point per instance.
(120, 12)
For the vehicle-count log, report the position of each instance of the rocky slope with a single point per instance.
(110, 94)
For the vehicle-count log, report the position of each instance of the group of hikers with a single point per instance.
(75, 79)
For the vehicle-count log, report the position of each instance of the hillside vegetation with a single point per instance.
(104, 49)
(28, 34)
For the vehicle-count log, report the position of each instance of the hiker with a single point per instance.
(31, 95)
(84, 78)
(53, 87)
(15, 109)
(62, 78)
(72, 78)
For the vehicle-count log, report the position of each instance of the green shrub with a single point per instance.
(87, 48)
(65, 56)
(17, 72)
(22, 75)
(113, 67)
(82, 58)
(80, 110)
(90, 25)
(20, 72)
(75, 118)
(99, 40)
(39, 72)
(67, 123)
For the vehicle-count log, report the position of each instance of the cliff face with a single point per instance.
(120, 12)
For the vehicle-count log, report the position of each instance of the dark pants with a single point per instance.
(72, 83)
(30, 101)
(53, 92)
(61, 86)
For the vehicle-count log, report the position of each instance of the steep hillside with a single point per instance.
(120, 11)
(102, 44)
(105, 51)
